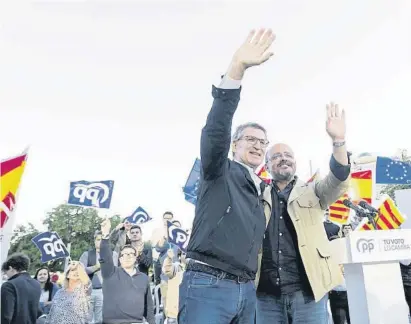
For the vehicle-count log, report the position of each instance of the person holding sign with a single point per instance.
(229, 224)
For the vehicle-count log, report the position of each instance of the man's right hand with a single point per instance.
(253, 52)
(106, 227)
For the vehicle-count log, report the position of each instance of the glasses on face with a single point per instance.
(279, 156)
(128, 255)
(251, 140)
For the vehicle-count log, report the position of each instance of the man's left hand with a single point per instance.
(335, 124)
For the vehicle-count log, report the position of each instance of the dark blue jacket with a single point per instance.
(229, 220)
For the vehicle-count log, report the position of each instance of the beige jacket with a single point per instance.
(306, 206)
(174, 272)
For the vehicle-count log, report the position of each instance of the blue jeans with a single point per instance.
(207, 299)
(291, 309)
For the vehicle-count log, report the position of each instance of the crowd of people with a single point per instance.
(258, 252)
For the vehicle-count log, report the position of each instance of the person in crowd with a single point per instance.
(174, 272)
(229, 221)
(89, 260)
(144, 249)
(20, 295)
(332, 230)
(71, 304)
(48, 289)
(126, 290)
(297, 269)
(338, 295)
(120, 236)
(160, 242)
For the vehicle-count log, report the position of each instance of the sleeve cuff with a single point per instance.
(341, 172)
(227, 83)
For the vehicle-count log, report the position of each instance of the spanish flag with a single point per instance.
(314, 177)
(389, 217)
(264, 175)
(338, 212)
(361, 186)
(11, 171)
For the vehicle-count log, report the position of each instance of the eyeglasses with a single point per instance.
(251, 140)
(127, 255)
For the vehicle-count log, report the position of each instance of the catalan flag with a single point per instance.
(361, 186)
(264, 175)
(11, 171)
(314, 177)
(389, 217)
(338, 213)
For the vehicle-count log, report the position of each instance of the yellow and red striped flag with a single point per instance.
(361, 186)
(314, 177)
(389, 217)
(11, 171)
(338, 212)
(264, 175)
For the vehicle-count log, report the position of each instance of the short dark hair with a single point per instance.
(127, 246)
(97, 233)
(136, 226)
(18, 261)
(168, 213)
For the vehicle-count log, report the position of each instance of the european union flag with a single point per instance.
(389, 171)
(190, 190)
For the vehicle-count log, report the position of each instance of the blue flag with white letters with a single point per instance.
(50, 246)
(91, 193)
(177, 236)
(190, 190)
(389, 171)
(139, 216)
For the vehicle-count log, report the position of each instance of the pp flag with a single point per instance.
(190, 189)
(11, 171)
(139, 216)
(51, 246)
(91, 193)
(177, 236)
(389, 171)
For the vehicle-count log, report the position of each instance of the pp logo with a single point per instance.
(92, 194)
(177, 236)
(54, 246)
(364, 245)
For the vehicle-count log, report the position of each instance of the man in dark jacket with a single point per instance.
(229, 221)
(20, 295)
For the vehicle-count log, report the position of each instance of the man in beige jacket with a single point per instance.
(174, 271)
(297, 270)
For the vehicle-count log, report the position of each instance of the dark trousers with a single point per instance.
(407, 291)
(339, 307)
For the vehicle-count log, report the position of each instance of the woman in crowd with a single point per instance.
(71, 303)
(48, 289)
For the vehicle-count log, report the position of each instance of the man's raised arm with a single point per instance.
(216, 134)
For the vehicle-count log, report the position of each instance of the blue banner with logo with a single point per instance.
(139, 216)
(190, 189)
(177, 236)
(91, 193)
(50, 246)
(389, 171)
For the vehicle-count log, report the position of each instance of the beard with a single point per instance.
(287, 176)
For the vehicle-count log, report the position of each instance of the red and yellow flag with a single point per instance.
(338, 213)
(264, 175)
(389, 217)
(314, 177)
(361, 186)
(11, 171)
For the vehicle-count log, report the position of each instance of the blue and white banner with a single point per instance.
(91, 193)
(177, 236)
(50, 246)
(139, 216)
(390, 171)
(190, 189)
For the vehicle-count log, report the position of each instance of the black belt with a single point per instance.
(199, 267)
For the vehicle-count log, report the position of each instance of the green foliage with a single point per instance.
(74, 224)
(390, 189)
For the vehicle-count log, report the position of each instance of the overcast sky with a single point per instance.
(120, 90)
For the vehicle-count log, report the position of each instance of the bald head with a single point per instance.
(280, 162)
